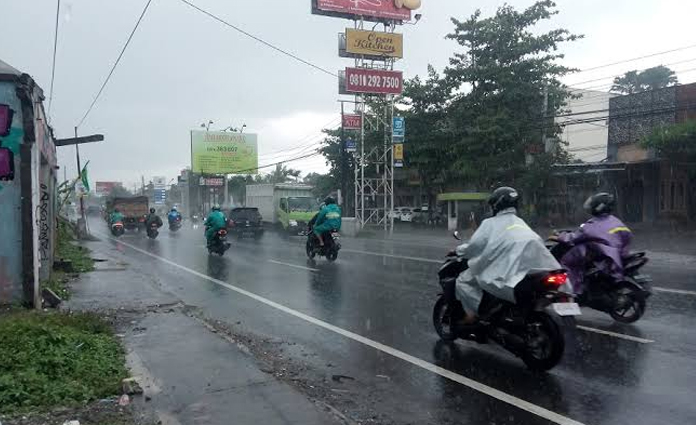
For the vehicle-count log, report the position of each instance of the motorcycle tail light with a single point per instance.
(555, 280)
(223, 232)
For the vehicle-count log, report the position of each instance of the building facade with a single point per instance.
(28, 204)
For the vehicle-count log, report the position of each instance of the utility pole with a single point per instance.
(344, 161)
(142, 185)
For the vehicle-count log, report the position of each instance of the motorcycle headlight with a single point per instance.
(293, 223)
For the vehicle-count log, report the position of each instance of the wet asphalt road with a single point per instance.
(385, 290)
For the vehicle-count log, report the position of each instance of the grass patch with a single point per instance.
(66, 250)
(58, 283)
(56, 359)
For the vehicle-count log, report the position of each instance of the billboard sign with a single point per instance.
(351, 145)
(398, 129)
(352, 122)
(369, 10)
(399, 155)
(373, 43)
(211, 181)
(214, 152)
(374, 81)
(104, 188)
(160, 196)
(159, 182)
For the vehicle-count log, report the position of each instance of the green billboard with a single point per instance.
(214, 152)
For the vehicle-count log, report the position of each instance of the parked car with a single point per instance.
(406, 215)
(245, 221)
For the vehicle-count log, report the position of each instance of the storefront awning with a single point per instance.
(462, 196)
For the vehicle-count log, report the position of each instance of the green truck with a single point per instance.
(288, 206)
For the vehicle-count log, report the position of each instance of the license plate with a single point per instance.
(566, 309)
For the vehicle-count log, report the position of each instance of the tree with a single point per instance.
(323, 184)
(428, 129)
(507, 73)
(628, 83)
(674, 141)
(653, 78)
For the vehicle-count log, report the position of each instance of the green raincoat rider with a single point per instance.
(329, 218)
(215, 222)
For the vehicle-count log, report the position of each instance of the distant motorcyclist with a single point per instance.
(115, 216)
(328, 218)
(152, 218)
(174, 215)
(500, 254)
(602, 241)
(215, 222)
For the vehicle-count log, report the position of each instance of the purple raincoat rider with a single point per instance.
(602, 242)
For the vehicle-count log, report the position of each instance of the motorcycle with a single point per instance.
(332, 244)
(219, 243)
(532, 328)
(117, 229)
(175, 225)
(153, 231)
(625, 301)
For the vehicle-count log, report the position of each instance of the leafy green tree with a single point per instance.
(628, 83)
(676, 141)
(323, 184)
(653, 78)
(507, 73)
(429, 134)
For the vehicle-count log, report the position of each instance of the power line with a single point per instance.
(249, 170)
(53, 66)
(118, 60)
(611, 77)
(260, 40)
(302, 140)
(637, 58)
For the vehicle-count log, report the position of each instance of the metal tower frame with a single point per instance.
(374, 196)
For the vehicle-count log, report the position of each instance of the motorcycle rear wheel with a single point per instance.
(545, 343)
(630, 312)
(442, 320)
(310, 250)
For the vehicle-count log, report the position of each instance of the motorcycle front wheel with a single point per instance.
(443, 320)
(332, 255)
(545, 343)
(628, 308)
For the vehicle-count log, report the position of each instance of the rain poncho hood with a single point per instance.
(501, 253)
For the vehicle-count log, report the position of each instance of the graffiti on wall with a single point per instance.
(44, 228)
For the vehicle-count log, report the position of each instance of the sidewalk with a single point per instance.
(646, 238)
(190, 375)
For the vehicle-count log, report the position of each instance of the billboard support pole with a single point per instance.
(226, 195)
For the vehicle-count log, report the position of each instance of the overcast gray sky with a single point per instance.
(182, 68)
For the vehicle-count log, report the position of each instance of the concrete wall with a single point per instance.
(10, 206)
(28, 202)
(587, 142)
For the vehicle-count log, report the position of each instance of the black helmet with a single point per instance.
(503, 198)
(216, 207)
(329, 200)
(152, 210)
(600, 204)
(116, 210)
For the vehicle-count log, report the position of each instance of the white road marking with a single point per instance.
(475, 385)
(401, 257)
(616, 335)
(674, 291)
(293, 265)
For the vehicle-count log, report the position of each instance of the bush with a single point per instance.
(56, 359)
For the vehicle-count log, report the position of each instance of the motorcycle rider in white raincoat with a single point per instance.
(500, 254)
